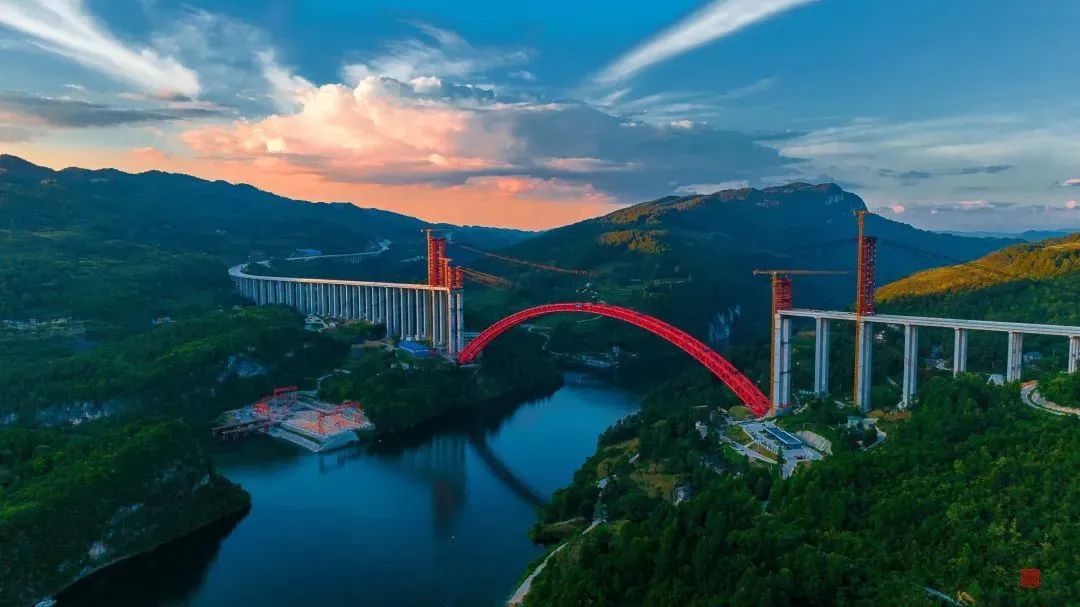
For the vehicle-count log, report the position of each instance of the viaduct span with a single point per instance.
(423, 312)
(781, 363)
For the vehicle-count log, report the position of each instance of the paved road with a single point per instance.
(523, 589)
(384, 246)
(745, 450)
(1031, 397)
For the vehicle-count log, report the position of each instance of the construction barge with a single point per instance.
(299, 418)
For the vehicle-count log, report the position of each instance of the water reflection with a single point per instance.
(170, 572)
(438, 516)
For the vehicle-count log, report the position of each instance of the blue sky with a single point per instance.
(948, 115)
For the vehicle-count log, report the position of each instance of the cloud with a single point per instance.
(58, 112)
(912, 176)
(66, 28)
(988, 170)
(435, 131)
(897, 208)
(1014, 157)
(14, 134)
(748, 90)
(438, 53)
(718, 19)
(150, 155)
(236, 62)
(709, 188)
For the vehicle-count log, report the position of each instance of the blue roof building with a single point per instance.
(415, 349)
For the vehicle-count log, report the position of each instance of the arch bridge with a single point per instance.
(734, 379)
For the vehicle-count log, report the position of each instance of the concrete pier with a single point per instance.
(863, 373)
(960, 341)
(781, 363)
(1015, 356)
(821, 356)
(1074, 354)
(910, 381)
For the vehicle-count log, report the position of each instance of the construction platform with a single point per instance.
(299, 418)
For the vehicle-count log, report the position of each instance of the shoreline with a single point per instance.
(232, 517)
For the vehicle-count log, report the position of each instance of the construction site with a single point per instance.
(298, 417)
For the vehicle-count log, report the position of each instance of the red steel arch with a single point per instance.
(750, 395)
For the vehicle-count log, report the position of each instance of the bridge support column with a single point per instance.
(394, 318)
(1016, 356)
(424, 320)
(781, 365)
(911, 365)
(451, 330)
(411, 302)
(440, 318)
(862, 366)
(460, 325)
(1074, 354)
(821, 356)
(960, 343)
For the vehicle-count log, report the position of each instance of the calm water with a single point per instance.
(439, 518)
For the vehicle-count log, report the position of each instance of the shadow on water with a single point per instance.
(447, 436)
(172, 572)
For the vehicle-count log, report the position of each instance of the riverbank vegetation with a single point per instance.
(968, 491)
(399, 392)
(75, 500)
(194, 368)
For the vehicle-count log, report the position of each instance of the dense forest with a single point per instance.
(193, 368)
(74, 500)
(973, 488)
(399, 392)
(1028, 264)
(690, 261)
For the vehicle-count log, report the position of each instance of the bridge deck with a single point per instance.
(947, 323)
(238, 272)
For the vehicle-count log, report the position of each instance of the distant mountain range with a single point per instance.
(1030, 282)
(1028, 235)
(122, 248)
(118, 249)
(690, 259)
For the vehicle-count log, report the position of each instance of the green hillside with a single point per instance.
(1028, 263)
(113, 250)
(689, 260)
(959, 498)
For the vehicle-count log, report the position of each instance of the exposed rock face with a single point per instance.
(140, 488)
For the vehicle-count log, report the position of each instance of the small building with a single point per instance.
(996, 379)
(414, 349)
(854, 421)
(782, 436)
(682, 493)
(702, 429)
(1030, 357)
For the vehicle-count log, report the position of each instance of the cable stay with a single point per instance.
(523, 262)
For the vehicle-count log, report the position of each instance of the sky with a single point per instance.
(961, 115)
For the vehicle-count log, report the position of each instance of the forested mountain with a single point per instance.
(689, 259)
(118, 249)
(1022, 265)
(973, 488)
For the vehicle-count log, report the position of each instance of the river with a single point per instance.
(439, 517)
